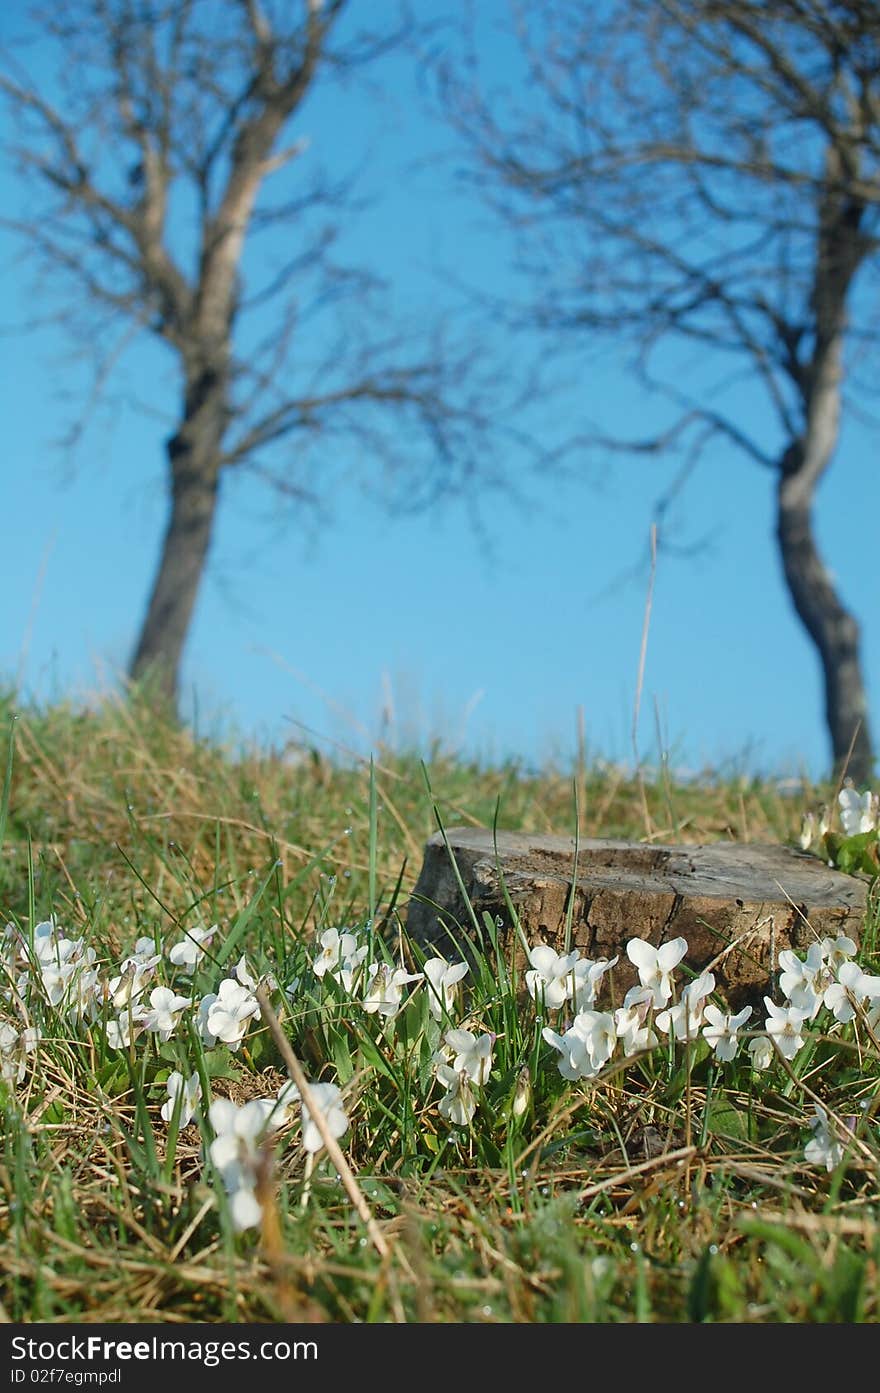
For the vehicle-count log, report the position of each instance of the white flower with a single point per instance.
(56, 979)
(47, 945)
(204, 1011)
(235, 1152)
(630, 1021)
(83, 993)
(243, 975)
(239, 1129)
(808, 830)
(165, 1010)
(784, 1024)
(472, 1054)
(824, 1148)
(599, 1033)
(550, 979)
(340, 956)
(837, 951)
(131, 982)
(191, 950)
(142, 958)
(522, 1094)
(245, 1208)
(858, 812)
(721, 1030)
(843, 995)
(127, 1027)
(384, 991)
(443, 985)
(229, 1014)
(685, 1018)
(869, 986)
(328, 1098)
(656, 965)
(288, 1097)
(458, 1103)
(575, 1061)
(191, 1091)
(14, 1049)
(802, 982)
(587, 977)
(762, 1052)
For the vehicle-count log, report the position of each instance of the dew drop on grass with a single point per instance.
(634, 1248)
(346, 875)
(346, 832)
(487, 1310)
(713, 1249)
(362, 1243)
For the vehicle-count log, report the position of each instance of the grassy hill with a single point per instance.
(666, 1184)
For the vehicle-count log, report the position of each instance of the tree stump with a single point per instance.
(738, 905)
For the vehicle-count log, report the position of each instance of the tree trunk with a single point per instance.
(193, 458)
(829, 624)
(737, 905)
(840, 250)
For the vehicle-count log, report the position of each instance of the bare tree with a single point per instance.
(707, 172)
(150, 161)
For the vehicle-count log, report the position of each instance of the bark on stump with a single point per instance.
(737, 904)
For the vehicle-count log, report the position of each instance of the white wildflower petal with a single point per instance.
(574, 1062)
(761, 1051)
(245, 1209)
(328, 1098)
(221, 1115)
(670, 954)
(443, 980)
(459, 1103)
(824, 1148)
(784, 1025)
(472, 1053)
(191, 1091)
(230, 1014)
(857, 811)
(721, 1032)
(587, 979)
(656, 965)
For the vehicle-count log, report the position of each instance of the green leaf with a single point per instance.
(727, 1121)
(701, 1293)
(859, 853)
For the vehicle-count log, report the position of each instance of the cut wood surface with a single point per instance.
(737, 904)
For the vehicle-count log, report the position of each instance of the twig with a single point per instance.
(334, 1151)
(685, 1153)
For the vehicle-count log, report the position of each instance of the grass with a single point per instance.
(671, 1188)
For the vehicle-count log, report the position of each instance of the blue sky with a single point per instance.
(413, 629)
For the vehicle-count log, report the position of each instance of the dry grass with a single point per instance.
(637, 1203)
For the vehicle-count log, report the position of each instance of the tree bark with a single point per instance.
(193, 458)
(738, 905)
(840, 250)
(831, 627)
